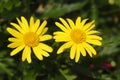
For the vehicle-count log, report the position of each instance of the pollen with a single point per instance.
(31, 39)
(78, 36)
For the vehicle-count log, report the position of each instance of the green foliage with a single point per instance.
(66, 75)
(110, 45)
(104, 66)
(9, 4)
(58, 10)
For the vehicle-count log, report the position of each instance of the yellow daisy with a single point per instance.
(78, 37)
(27, 37)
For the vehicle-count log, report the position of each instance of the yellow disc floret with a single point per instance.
(78, 36)
(31, 39)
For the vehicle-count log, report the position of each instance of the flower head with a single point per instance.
(29, 36)
(77, 36)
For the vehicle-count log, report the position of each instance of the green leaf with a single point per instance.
(106, 77)
(3, 67)
(30, 76)
(8, 5)
(110, 45)
(66, 74)
(17, 3)
(94, 12)
(58, 10)
(57, 77)
(117, 2)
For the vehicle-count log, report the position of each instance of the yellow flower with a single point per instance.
(27, 37)
(78, 37)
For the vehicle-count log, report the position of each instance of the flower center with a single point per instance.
(78, 36)
(31, 39)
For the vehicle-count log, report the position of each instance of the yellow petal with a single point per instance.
(19, 22)
(78, 22)
(17, 27)
(95, 42)
(45, 47)
(44, 31)
(64, 46)
(83, 23)
(64, 23)
(15, 40)
(31, 22)
(18, 49)
(92, 32)
(94, 37)
(90, 48)
(89, 25)
(92, 26)
(77, 54)
(14, 32)
(35, 26)
(26, 54)
(44, 53)
(45, 37)
(59, 33)
(37, 52)
(71, 23)
(24, 21)
(40, 29)
(72, 51)
(82, 50)
(62, 38)
(29, 55)
(61, 27)
(23, 26)
(14, 45)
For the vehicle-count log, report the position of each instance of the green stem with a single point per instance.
(27, 7)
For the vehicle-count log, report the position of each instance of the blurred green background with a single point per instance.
(104, 66)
